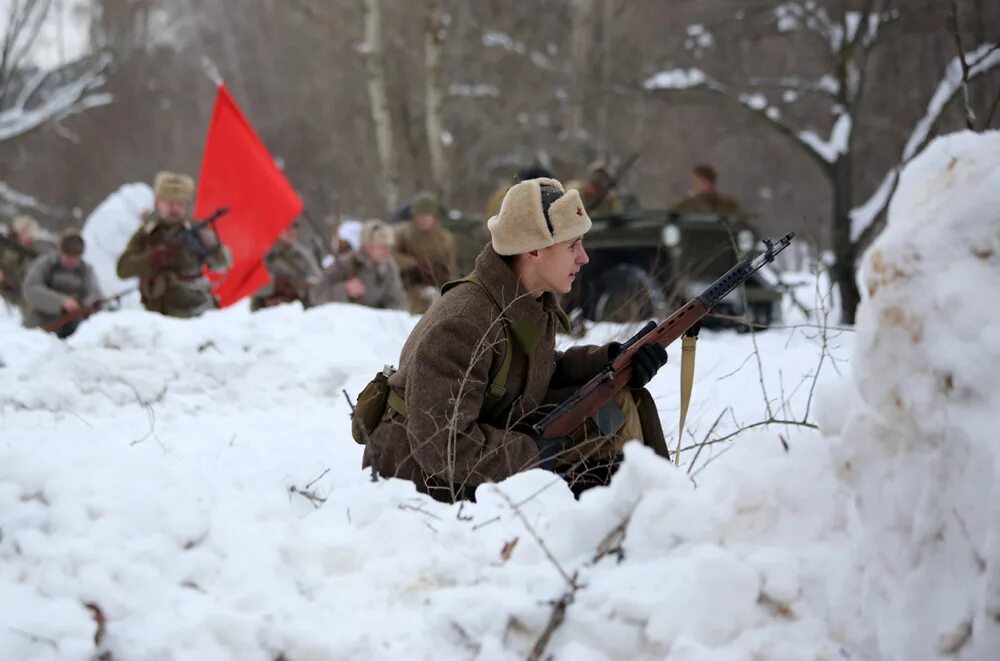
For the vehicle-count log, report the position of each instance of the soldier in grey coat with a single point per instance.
(368, 277)
(60, 284)
(293, 272)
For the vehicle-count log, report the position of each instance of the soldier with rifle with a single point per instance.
(293, 272)
(481, 366)
(17, 250)
(58, 287)
(367, 277)
(168, 252)
(599, 189)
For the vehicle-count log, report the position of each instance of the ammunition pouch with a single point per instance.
(370, 407)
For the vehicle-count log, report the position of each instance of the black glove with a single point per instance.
(648, 360)
(549, 449)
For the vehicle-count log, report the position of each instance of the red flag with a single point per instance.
(238, 172)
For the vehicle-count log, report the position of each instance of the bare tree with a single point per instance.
(847, 33)
(32, 96)
(434, 36)
(377, 94)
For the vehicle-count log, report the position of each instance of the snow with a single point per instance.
(676, 79)
(106, 232)
(830, 150)
(926, 488)
(755, 101)
(195, 480)
(980, 60)
(476, 90)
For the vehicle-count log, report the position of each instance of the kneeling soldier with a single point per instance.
(293, 271)
(481, 365)
(367, 277)
(167, 257)
(58, 285)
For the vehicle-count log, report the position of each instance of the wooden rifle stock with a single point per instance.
(585, 402)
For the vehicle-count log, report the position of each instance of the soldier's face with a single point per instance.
(69, 261)
(377, 253)
(701, 186)
(424, 221)
(557, 267)
(171, 210)
(25, 238)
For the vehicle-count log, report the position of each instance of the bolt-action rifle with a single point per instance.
(601, 389)
(85, 311)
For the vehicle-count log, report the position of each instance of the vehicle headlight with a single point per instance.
(745, 240)
(671, 236)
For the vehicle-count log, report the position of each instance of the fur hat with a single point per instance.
(376, 233)
(522, 225)
(173, 186)
(425, 203)
(71, 242)
(25, 224)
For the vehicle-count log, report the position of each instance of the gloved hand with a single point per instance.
(647, 361)
(549, 449)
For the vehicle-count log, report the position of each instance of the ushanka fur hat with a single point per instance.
(173, 186)
(523, 224)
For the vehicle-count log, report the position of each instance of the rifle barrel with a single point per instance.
(573, 412)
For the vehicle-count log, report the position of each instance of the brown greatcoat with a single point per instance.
(383, 287)
(179, 288)
(426, 259)
(707, 203)
(446, 444)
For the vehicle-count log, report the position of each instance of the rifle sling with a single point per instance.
(688, 345)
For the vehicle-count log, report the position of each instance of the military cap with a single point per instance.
(173, 186)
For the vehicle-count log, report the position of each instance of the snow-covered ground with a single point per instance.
(195, 483)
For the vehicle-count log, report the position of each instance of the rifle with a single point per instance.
(615, 180)
(85, 311)
(601, 389)
(189, 236)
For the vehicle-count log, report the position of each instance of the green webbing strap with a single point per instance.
(497, 388)
(688, 345)
(396, 403)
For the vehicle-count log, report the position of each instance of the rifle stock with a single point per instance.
(83, 311)
(574, 412)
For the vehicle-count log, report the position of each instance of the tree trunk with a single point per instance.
(844, 250)
(582, 36)
(604, 100)
(433, 38)
(379, 98)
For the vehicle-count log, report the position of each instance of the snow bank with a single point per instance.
(921, 452)
(147, 467)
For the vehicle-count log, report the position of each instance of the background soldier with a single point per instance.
(17, 250)
(597, 191)
(368, 277)
(705, 197)
(60, 283)
(425, 252)
(293, 271)
(167, 255)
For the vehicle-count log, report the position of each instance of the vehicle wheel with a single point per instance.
(628, 294)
